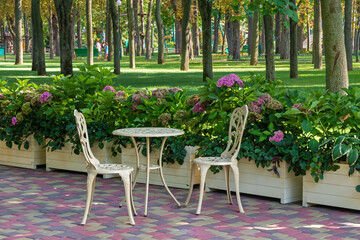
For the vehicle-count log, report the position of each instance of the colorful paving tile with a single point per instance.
(35, 204)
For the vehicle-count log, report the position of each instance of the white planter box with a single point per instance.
(175, 175)
(259, 181)
(66, 159)
(30, 158)
(337, 189)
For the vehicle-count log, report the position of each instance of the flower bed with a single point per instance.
(258, 181)
(26, 158)
(337, 189)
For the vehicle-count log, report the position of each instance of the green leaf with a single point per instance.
(352, 156)
(255, 132)
(48, 111)
(313, 145)
(213, 96)
(213, 115)
(306, 126)
(344, 149)
(358, 188)
(336, 152)
(313, 104)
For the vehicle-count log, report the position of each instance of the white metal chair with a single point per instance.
(227, 159)
(94, 167)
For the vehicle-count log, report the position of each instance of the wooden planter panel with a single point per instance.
(65, 159)
(175, 175)
(337, 189)
(30, 158)
(259, 181)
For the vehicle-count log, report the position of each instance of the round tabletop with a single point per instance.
(148, 132)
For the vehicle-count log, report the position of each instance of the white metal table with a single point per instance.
(149, 132)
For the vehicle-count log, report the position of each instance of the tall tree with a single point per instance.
(216, 32)
(142, 34)
(26, 33)
(116, 35)
(255, 39)
(347, 33)
(335, 54)
(148, 31)
(109, 27)
(293, 47)
(18, 35)
(237, 39)
(317, 49)
(132, 33)
(160, 27)
(78, 26)
(89, 33)
(277, 32)
(63, 10)
(269, 46)
(185, 42)
(195, 30)
(38, 37)
(51, 32)
(285, 38)
(250, 31)
(205, 7)
(136, 28)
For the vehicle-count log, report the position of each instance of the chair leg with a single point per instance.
(227, 183)
(203, 171)
(132, 187)
(90, 183)
(131, 197)
(191, 187)
(235, 170)
(127, 185)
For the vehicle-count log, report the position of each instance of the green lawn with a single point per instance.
(149, 74)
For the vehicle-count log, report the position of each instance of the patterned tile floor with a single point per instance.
(35, 204)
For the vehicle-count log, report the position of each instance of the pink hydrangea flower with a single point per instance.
(278, 136)
(133, 107)
(297, 106)
(14, 121)
(229, 81)
(111, 88)
(200, 106)
(45, 97)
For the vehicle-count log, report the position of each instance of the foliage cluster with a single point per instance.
(310, 132)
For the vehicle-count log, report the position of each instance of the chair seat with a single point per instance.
(213, 160)
(112, 168)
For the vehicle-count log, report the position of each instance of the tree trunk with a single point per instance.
(216, 33)
(195, 30)
(236, 39)
(18, 36)
(262, 37)
(78, 26)
(285, 38)
(300, 32)
(136, 28)
(142, 34)
(89, 33)
(185, 57)
(347, 33)
(26, 33)
(56, 35)
(229, 32)
(116, 33)
(277, 33)
(38, 37)
(34, 51)
(335, 55)
(307, 32)
(63, 9)
(250, 32)
(109, 34)
(132, 33)
(205, 11)
(160, 30)
(51, 33)
(317, 49)
(269, 47)
(255, 39)
(293, 47)
(148, 31)
(72, 26)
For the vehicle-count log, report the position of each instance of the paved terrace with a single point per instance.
(35, 204)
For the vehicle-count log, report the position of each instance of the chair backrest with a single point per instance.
(84, 140)
(236, 130)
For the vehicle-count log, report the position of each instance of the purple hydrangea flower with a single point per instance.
(230, 80)
(111, 88)
(278, 136)
(175, 89)
(200, 106)
(14, 121)
(45, 97)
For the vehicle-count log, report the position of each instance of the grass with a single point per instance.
(149, 74)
